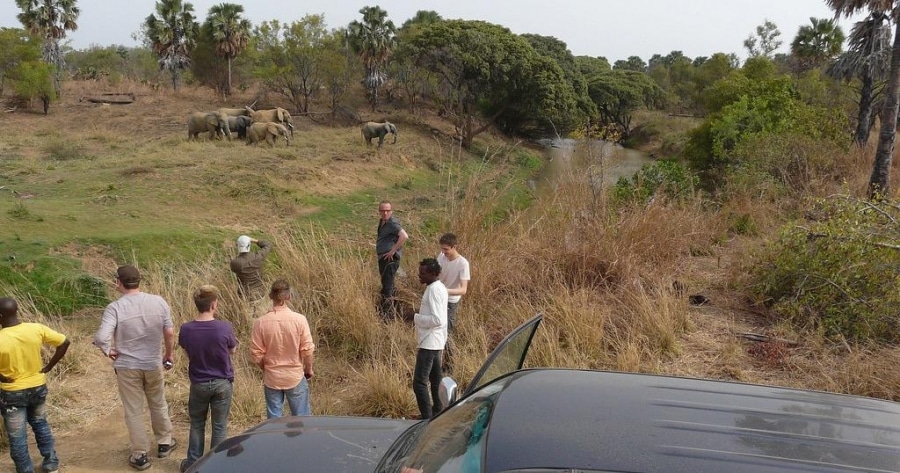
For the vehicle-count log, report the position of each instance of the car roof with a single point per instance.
(607, 421)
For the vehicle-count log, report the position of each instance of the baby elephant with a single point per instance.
(372, 130)
(268, 131)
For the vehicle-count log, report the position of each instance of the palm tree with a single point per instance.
(867, 58)
(172, 35)
(230, 32)
(818, 42)
(879, 181)
(50, 19)
(373, 40)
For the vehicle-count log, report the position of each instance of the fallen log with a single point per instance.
(116, 99)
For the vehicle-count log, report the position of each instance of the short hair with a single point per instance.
(431, 265)
(8, 307)
(448, 239)
(281, 291)
(204, 297)
(129, 276)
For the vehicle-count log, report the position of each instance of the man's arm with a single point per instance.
(57, 355)
(431, 304)
(264, 248)
(459, 290)
(308, 359)
(104, 335)
(257, 347)
(169, 337)
(402, 236)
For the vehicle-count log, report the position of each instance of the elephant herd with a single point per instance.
(251, 125)
(259, 125)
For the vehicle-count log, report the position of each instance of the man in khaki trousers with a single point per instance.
(132, 332)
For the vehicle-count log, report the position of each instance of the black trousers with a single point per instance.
(428, 371)
(388, 271)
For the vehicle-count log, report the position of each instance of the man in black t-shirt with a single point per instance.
(389, 248)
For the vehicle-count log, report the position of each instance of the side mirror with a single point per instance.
(448, 391)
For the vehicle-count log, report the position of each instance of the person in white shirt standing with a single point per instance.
(455, 276)
(431, 336)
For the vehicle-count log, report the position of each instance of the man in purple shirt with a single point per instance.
(209, 344)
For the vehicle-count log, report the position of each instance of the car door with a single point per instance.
(509, 355)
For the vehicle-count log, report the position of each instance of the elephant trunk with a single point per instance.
(395, 137)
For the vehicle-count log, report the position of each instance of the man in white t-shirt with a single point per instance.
(455, 276)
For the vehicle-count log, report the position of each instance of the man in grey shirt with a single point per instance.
(247, 266)
(132, 331)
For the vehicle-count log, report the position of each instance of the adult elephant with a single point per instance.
(268, 131)
(276, 115)
(378, 130)
(236, 112)
(215, 123)
(239, 125)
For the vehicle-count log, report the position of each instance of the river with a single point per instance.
(604, 162)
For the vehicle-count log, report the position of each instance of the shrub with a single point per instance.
(837, 273)
(664, 176)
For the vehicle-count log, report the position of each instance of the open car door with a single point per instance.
(509, 355)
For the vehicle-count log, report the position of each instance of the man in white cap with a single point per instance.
(247, 266)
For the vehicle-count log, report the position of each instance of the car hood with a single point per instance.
(315, 443)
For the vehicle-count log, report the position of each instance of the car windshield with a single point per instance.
(451, 442)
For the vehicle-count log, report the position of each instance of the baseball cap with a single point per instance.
(128, 274)
(243, 244)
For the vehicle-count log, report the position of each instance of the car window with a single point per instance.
(454, 441)
(509, 355)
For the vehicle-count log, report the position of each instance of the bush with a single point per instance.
(664, 176)
(838, 273)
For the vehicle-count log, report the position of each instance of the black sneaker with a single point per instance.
(140, 463)
(164, 450)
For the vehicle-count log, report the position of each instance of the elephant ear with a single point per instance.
(273, 129)
(281, 114)
(212, 119)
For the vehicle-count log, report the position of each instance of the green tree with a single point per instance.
(488, 73)
(817, 43)
(50, 19)
(172, 35)
(879, 181)
(617, 93)
(765, 42)
(230, 32)
(337, 64)
(868, 60)
(416, 82)
(292, 58)
(34, 80)
(559, 52)
(633, 63)
(374, 40)
(16, 47)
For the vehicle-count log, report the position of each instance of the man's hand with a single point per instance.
(6, 379)
(389, 256)
(113, 354)
(309, 374)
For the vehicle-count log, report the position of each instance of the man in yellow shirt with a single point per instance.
(23, 385)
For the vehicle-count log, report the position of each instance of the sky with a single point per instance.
(614, 30)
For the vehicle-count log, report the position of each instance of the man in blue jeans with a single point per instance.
(209, 344)
(23, 385)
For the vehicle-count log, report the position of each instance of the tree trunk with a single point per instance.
(880, 181)
(228, 86)
(864, 119)
(175, 79)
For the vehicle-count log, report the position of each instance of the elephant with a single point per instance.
(239, 124)
(236, 112)
(371, 130)
(277, 115)
(216, 123)
(268, 131)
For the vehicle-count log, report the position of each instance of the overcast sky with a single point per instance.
(615, 30)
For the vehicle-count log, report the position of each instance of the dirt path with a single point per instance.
(103, 446)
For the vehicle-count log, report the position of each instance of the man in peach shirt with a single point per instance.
(281, 345)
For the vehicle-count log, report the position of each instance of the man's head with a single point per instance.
(8, 310)
(206, 297)
(448, 245)
(281, 292)
(243, 244)
(129, 276)
(385, 210)
(429, 270)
